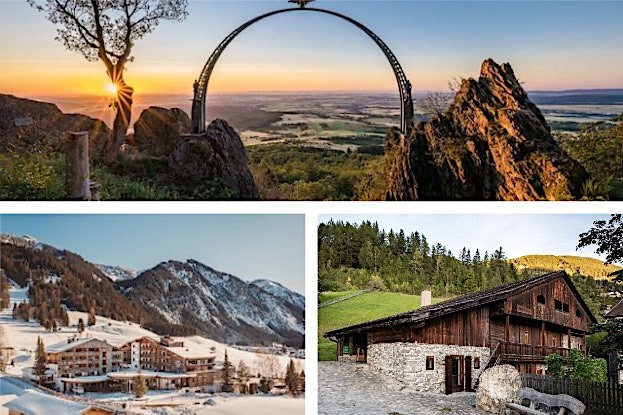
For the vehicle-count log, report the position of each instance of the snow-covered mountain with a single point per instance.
(280, 291)
(116, 273)
(220, 305)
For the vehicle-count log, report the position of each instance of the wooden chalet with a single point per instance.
(443, 347)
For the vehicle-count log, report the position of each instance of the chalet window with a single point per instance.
(558, 305)
(540, 299)
(578, 313)
(565, 307)
(553, 341)
(476, 363)
(430, 362)
(526, 337)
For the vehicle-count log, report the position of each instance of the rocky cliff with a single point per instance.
(29, 126)
(492, 143)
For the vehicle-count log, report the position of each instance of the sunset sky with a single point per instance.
(551, 45)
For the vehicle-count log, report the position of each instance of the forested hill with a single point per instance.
(586, 266)
(360, 256)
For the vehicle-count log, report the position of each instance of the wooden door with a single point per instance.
(455, 374)
(468, 373)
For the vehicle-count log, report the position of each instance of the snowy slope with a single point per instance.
(22, 337)
(280, 291)
(220, 305)
(116, 273)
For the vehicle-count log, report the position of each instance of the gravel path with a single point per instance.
(351, 389)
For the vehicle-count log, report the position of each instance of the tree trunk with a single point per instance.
(123, 107)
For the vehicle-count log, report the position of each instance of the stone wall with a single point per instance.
(406, 362)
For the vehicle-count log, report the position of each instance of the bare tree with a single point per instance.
(106, 30)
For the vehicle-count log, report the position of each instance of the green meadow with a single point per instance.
(365, 307)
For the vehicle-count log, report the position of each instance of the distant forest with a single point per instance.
(362, 256)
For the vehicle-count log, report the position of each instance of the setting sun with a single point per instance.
(111, 88)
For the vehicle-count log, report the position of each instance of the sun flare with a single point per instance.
(111, 88)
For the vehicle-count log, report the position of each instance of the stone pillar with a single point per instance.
(77, 166)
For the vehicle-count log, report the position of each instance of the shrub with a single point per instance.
(32, 176)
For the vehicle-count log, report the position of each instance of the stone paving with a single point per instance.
(354, 389)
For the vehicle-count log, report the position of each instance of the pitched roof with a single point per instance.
(67, 345)
(616, 311)
(36, 403)
(463, 302)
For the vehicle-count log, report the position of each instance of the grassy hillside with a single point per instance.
(587, 266)
(333, 295)
(359, 309)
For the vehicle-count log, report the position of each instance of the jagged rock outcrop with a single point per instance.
(216, 156)
(29, 126)
(158, 131)
(492, 143)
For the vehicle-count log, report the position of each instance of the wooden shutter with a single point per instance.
(468, 373)
(448, 375)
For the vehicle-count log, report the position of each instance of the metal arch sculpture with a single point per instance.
(201, 85)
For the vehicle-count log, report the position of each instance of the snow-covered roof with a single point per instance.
(37, 403)
(86, 379)
(194, 348)
(131, 374)
(66, 345)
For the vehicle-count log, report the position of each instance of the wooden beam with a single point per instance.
(350, 345)
(568, 337)
(584, 341)
(542, 340)
(507, 328)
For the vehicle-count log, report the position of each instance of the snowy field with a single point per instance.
(22, 337)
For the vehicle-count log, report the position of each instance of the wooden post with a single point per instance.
(584, 341)
(350, 345)
(507, 329)
(569, 338)
(77, 166)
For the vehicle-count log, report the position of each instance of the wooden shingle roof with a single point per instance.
(616, 311)
(461, 303)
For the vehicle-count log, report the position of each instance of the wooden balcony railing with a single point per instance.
(527, 352)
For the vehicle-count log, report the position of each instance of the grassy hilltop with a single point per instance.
(587, 266)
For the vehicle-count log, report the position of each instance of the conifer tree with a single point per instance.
(242, 375)
(227, 374)
(139, 386)
(91, 318)
(80, 326)
(292, 378)
(41, 359)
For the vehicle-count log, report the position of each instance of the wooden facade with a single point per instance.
(520, 323)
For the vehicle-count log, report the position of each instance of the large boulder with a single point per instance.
(497, 386)
(28, 126)
(157, 131)
(492, 143)
(217, 158)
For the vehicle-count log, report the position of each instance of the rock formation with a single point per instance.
(492, 143)
(497, 386)
(158, 130)
(217, 155)
(30, 126)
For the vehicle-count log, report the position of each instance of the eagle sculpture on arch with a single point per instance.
(301, 3)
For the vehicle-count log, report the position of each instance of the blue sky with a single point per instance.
(551, 45)
(517, 234)
(247, 246)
